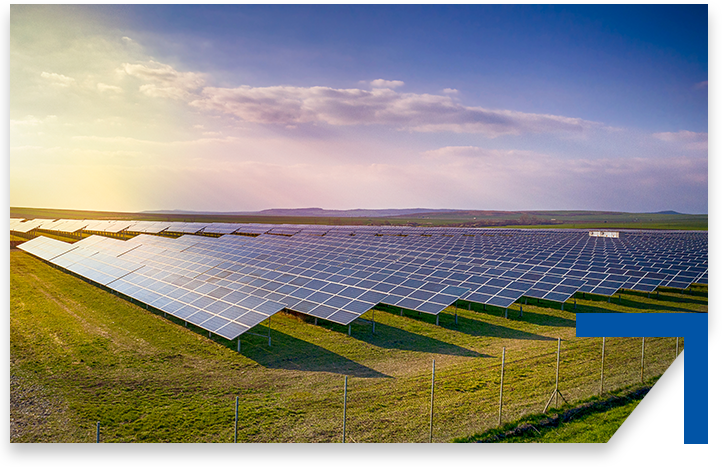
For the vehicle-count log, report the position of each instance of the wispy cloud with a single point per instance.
(30, 120)
(688, 139)
(291, 106)
(701, 85)
(287, 105)
(165, 81)
(630, 183)
(102, 87)
(681, 136)
(58, 79)
(383, 83)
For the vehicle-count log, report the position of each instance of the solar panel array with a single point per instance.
(231, 283)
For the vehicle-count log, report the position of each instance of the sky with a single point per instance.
(243, 108)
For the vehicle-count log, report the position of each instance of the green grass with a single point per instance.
(591, 421)
(85, 355)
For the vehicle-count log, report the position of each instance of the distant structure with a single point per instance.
(603, 233)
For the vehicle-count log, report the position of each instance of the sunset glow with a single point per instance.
(241, 108)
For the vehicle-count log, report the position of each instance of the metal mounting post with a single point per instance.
(373, 322)
(437, 320)
(269, 331)
(235, 428)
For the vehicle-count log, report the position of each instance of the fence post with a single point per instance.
(345, 387)
(97, 432)
(601, 382)
(431, 418)
(501, 386)
(556, 385)
(641, 371)
(235, 427)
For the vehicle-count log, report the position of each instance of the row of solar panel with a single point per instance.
(669, 262)
(74, 225)
(177, 252)
(641, 259)
(185, 303)
(593, 274)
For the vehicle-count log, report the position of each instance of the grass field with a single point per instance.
(81, 355)
(592, 421)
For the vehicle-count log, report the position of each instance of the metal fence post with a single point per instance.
(345, 388)
(501, 386)
(556, 385)
(431, 418)
(235, 427)
(641, 371)
(97, 432)
(601, 381)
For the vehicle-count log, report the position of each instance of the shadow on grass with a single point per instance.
(655, 307)
(626, 302)
(285, 352)
(290, 353)
(542, 319)
(532, 317)
(664, 297)
(477, 328)
(390, 337)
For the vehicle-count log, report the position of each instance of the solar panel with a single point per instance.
(338, 273)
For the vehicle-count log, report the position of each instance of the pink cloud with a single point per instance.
(287, 105)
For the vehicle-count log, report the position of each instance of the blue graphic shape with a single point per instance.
(693, 327)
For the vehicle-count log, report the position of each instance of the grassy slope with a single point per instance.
(600, 426)
(87, 355)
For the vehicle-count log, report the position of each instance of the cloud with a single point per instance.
(136, 142)
(383, 83)
(165, 81)
(450, 91)
(701, 85)
(681, 136)
(290, 106)
(57, 79)
(27, 121)
(31, 120)
(102, 87)
(523, 179)
(689, 140)
(287, 105)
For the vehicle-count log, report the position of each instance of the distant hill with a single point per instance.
(314, 212)
(418, 217)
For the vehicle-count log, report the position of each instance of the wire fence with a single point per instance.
(472, 401)
(463, 400)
